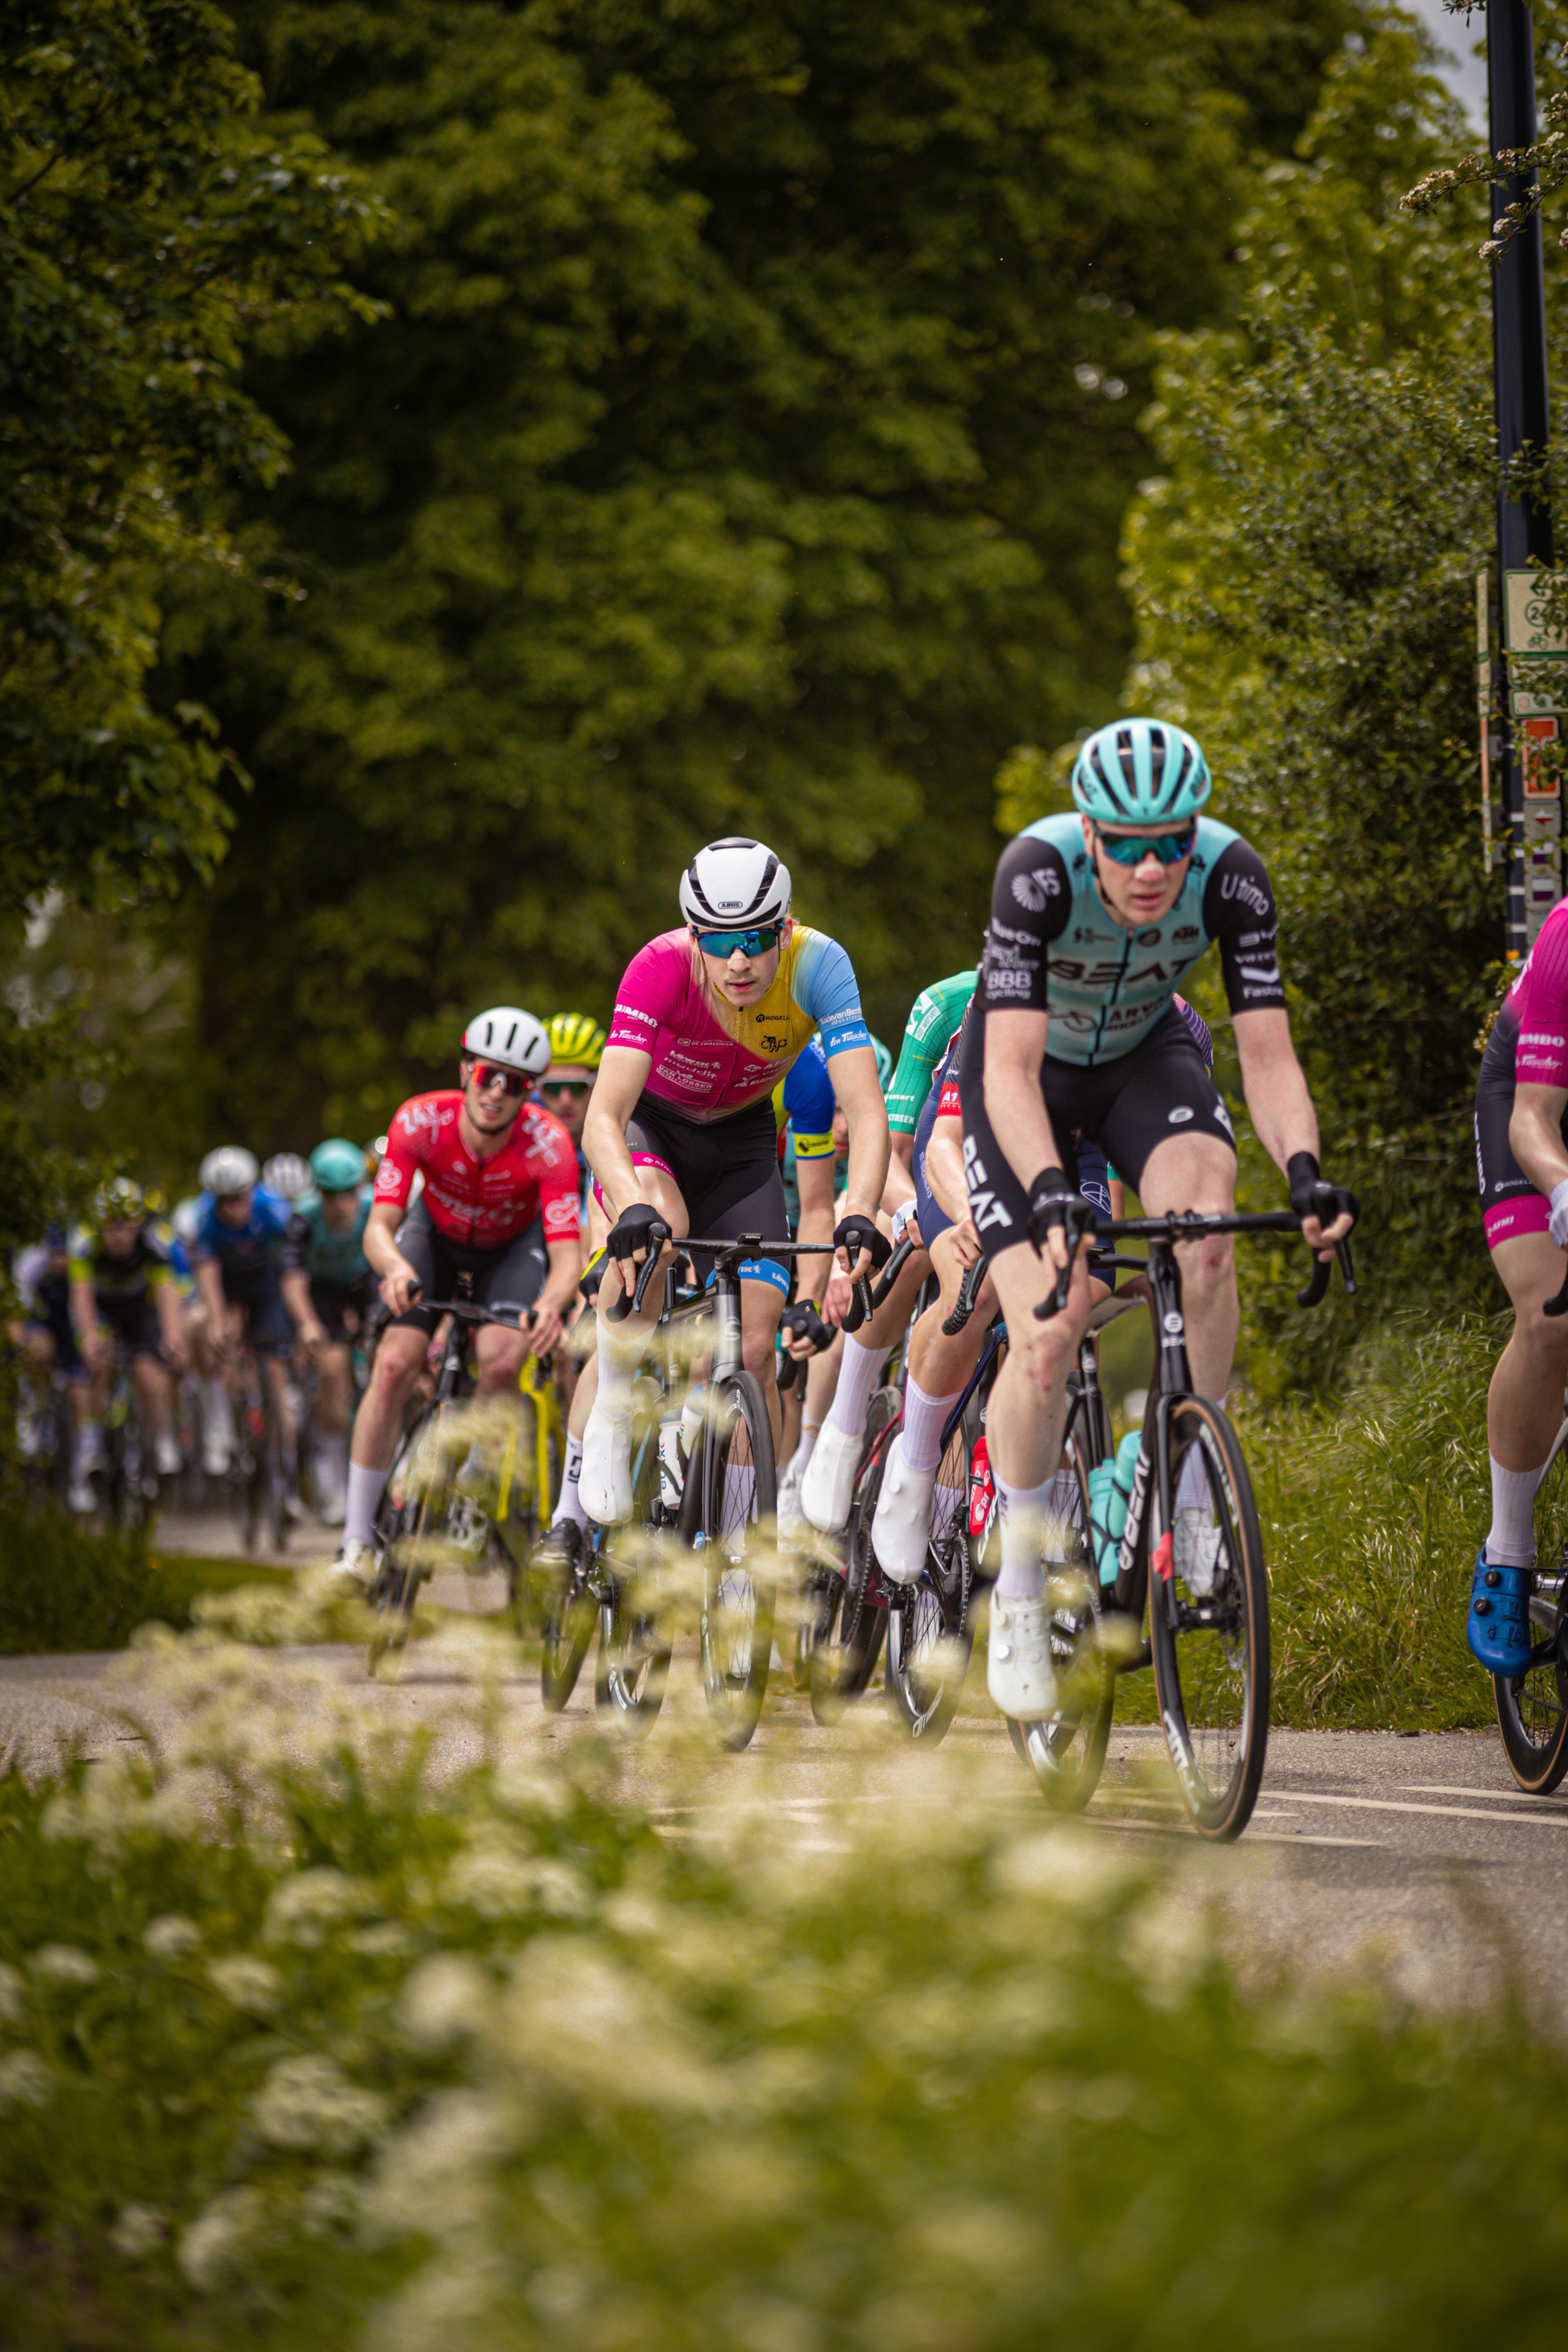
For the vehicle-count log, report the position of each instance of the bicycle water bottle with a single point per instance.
(1109, 1490)
(982, 1488)
(671, 1476)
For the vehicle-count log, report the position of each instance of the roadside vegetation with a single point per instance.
(303, 2042)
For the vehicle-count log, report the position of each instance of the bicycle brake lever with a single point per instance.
(860, 1306)
(658, 1234)
(1347, 1266)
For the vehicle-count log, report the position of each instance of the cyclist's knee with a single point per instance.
(757, 1350)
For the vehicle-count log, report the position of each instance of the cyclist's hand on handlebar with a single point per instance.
(545, 1329)
(861, 1244)
(400, 1288)
(966, 1242)
(1050, 1198)
(637, 1230)
(804, 1332)
(1327, 1211)
(314, 1340)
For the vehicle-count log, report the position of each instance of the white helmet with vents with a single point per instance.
(511, 1037)
(734, 885)
(228, 1170)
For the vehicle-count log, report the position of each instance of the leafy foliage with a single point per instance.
(745, 450)
(148, 230)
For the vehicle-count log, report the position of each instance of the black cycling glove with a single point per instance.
(801, 1321)
(853, 1233)
(638, 1227)
(1050, 1198)
(1311, 1196)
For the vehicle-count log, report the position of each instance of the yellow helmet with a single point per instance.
(576, 1038)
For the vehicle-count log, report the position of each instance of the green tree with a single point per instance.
(151, 228)
(1303, 571)
(745, 450)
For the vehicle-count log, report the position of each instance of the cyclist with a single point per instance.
(287, 1175)
(933, 1023)
(576, 1045)
(499, 1204)
(1522, 1164)
(681, 1132)
(324, 1255)
(240, 1228)
(1095, 917)
(45, 1338)
(123, 1290)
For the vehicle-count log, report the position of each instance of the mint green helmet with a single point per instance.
(337, 1165)
(1140, 772)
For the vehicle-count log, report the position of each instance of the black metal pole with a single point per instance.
(1519, 359)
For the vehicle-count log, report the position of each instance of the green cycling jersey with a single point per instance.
(933, 1025)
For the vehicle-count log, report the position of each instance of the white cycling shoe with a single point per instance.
(356, 1565)
(1198, 1545)
(901, 1529)
(1019, 1673)
(604, 1487)
(170, 1459)
(829, 1486)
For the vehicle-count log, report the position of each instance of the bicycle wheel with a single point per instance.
(737, 1500)
(634, 1649)
(1208, 1623)
(423, 1486)
(845, 1658)
(929, 1637)
(1066, 1753)
(1532, 1708)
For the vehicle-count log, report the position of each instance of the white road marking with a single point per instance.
(1449, 1812)
(1498, 1796)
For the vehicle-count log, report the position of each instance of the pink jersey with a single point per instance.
(482, 1204)
(711, 1058)
(1539, 1002)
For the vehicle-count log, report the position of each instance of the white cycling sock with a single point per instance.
(1194, 1488)
(334, 1455)
(923, 1419)
(363, 1494)
(1022, 1512)
(621, 1349)
(857, 1376)
(570, 1505)
(216, 1405)
(1511, 1540)
(802, 1453)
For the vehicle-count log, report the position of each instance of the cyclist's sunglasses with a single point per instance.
(722, 945)
(491, 1074)
(1133, 848)
(572, 1086)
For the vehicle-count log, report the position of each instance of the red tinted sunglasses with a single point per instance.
(491, 1074)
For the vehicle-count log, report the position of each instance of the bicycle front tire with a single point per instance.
(733, 1485)
(1532, 1708)
(1066, 1753)
(1211, 1649)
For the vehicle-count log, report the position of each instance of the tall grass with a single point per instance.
(304, 2045)
(1372, 1514)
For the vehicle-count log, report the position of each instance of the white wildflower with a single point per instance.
(304, 1909)
(13, 1996)
(574, 2014)
(248, 1982)
(138, 2230)
(172, 1936)
(215, 2248)
(63, 1964)
(1079, 1873)
(23, 2081)
(331, 2205)
(388, 1939)
(444, 2000)
(435, 2173)
(522, 1788)
(310, 2103)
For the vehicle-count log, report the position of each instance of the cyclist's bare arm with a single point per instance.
(171, 1323)
(1277, 1102)
(1535, 1135)
(814, 1180)
(560, 1289)
(209, 1282)
(859, 1092)
(623, 1074)
(296, 1289)
(398, 1279)
(84, 1321)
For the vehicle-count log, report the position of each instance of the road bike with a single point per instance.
(1532, 1706)
(429, 1509)
(1202, 1584)
(725, 1466)
(259, 1470)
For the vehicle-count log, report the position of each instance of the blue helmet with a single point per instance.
(1140, 772)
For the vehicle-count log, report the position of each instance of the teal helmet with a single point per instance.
(337, 1165)
(884, 1063)
(1140, 772)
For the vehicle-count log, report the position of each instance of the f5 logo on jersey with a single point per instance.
(1032, 890)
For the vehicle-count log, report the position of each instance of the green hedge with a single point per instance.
(66, 1587)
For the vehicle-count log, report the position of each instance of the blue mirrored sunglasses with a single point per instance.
(1133, 848)
(722, 945)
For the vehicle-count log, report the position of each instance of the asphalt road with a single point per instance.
(1415, 1855)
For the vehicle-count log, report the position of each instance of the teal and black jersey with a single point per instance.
(1053, 948)
(313, 1248)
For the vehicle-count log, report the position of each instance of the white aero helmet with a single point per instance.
(230, 1169)
(286, 1173)
(734, 886)
(509, 1036)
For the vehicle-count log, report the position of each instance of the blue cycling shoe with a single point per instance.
(1498, 1628)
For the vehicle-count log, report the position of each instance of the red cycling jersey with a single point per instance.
(482, 1204)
